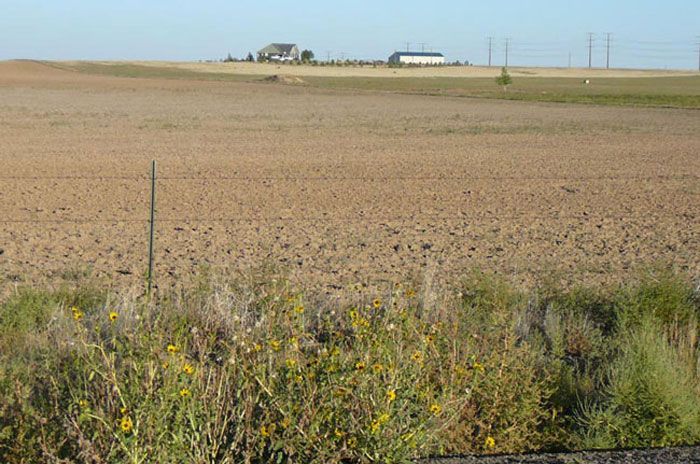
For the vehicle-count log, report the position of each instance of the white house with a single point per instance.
(419, 58)
(279, 52)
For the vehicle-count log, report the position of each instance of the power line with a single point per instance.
(490, 39)
(590, 49)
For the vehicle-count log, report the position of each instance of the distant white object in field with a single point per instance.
(587, 81)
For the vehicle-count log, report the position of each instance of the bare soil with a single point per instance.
(335, 187)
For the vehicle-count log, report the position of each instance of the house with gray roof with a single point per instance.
(279, 52)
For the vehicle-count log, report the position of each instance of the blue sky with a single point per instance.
(646, 33)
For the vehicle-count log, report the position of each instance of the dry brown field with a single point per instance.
(335, 187)
(256, 69)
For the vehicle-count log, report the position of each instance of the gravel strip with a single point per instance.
(648, 456)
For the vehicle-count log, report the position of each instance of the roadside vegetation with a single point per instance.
(250, 370)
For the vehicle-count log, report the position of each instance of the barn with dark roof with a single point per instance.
(420, 58)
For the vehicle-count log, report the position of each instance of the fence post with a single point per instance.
(152, 226)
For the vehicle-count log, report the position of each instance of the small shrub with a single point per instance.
(652, 398)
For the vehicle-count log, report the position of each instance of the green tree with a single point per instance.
(504, 80)
(307, 55)
(228, 59)
(250, 57)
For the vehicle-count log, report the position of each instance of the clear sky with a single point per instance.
(646, 33)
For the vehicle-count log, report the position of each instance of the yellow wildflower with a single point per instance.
(435, 409)
(188, 369)
(299, 309)
(360, 322)
(125, 424)
(166, 364)
(185, 392)
(275, 345)
(294, 342)
(257, 347)
(390, 395)
(429, 339)
(377, 368)
(478, 366)
(360, 365)
(123, 410)
(113, 316)
(378, 423)
(338, 433)
(264, 431)
(285, 422)
(490, 443)
(410, 293)
(291, 363)
(83, 403)
(172, 349)
(377, 303)
(78, 315)
(417, 357)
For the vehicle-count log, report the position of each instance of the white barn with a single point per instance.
(419, 58)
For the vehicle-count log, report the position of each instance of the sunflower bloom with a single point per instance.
(113, 316)
(188, 369)
(172, 349)
(435, 409)
(125, 424)
(185, 392)
(275, 345)
(360, 366)
(490, 443)
(390, 395)
(417, 357)
(377, 303)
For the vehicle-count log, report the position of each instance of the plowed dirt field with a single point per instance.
(334, 187)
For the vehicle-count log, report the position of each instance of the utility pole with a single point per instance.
(490, 49)
(422, 46)
(328, 56)
(607, 63)
(590, 50)
(507, 45)
(408, 47)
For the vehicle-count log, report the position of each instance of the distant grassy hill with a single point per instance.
(672, 91)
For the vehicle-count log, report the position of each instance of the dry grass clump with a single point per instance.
(225, 372)
(283, 79)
